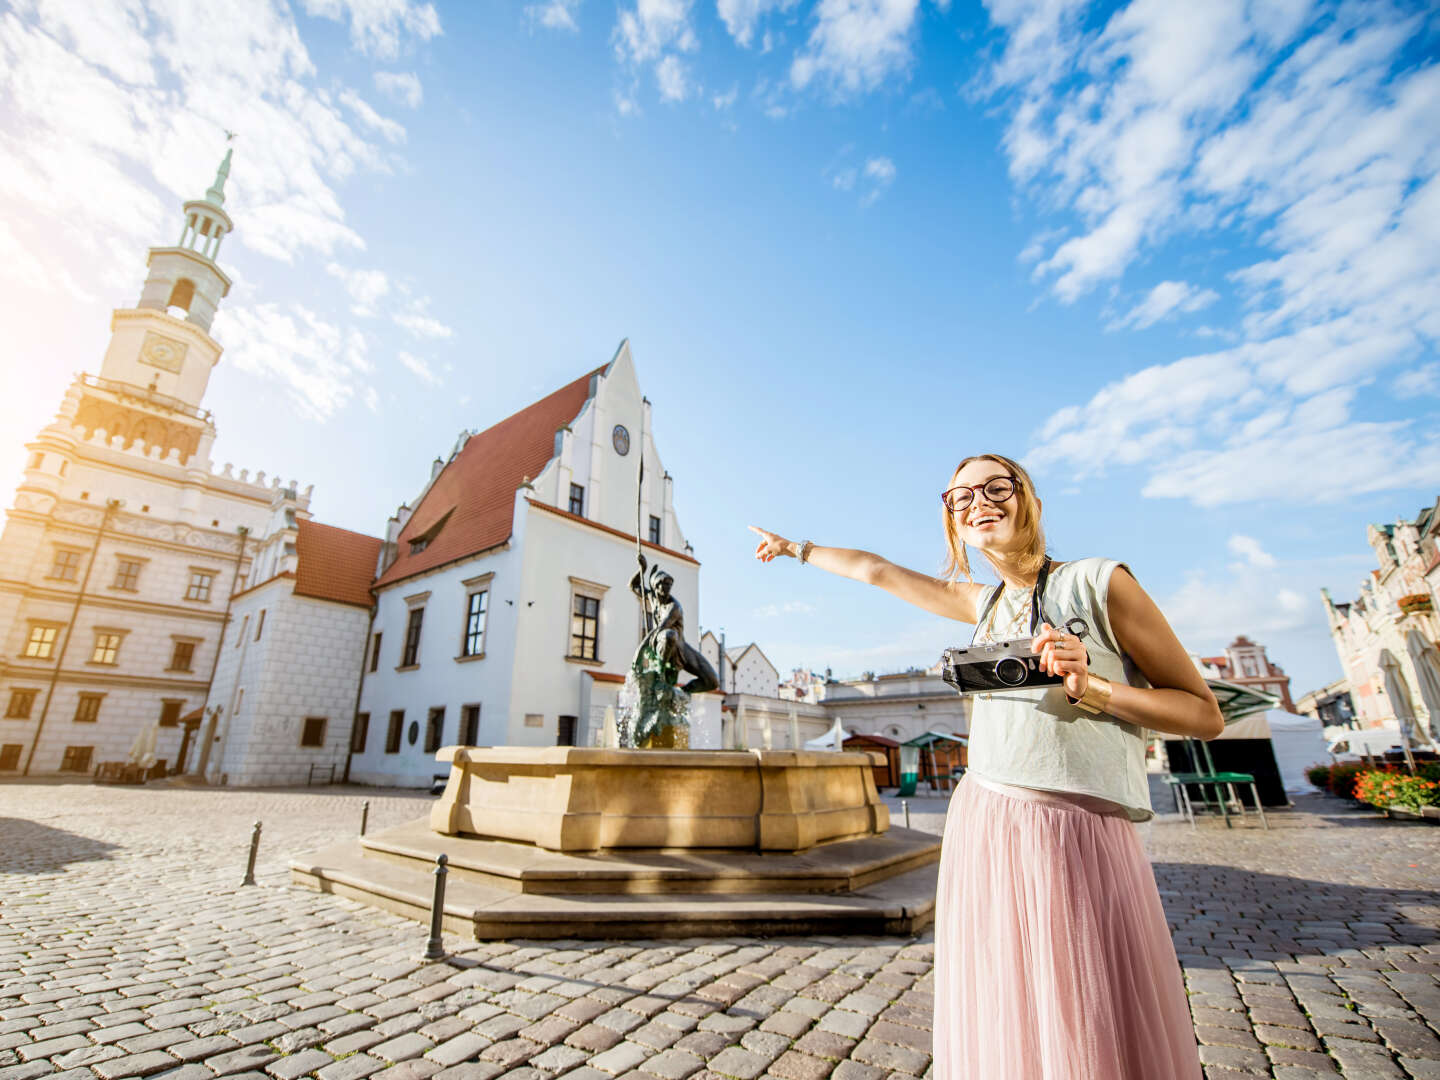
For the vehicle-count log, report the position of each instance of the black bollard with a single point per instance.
(435, 947)
(364, 816)
(254, 850)
(905, 805)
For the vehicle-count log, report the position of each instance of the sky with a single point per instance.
(1182, 260)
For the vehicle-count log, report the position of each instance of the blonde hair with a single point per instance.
(1027, 524)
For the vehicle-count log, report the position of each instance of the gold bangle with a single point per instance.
(1096, 697)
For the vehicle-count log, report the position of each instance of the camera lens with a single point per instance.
(1010, 671)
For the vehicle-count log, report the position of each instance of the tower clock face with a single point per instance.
(162, 352)
(621, 438)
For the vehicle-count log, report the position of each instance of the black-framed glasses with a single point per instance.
(997, 489)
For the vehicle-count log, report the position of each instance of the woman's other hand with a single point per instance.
(771, 545)
(1061, 653)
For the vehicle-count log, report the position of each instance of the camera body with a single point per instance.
(1001, 665)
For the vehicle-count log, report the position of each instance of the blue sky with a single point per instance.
(1183, 260)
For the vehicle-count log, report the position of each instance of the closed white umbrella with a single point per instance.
(1399, 694)
(1426, 660)
(142, 750)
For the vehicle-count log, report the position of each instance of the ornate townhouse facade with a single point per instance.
(1387, 636)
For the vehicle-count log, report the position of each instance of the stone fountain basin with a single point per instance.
(573, 799)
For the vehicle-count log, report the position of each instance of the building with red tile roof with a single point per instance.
(503, 606)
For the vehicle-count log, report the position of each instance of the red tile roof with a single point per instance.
(335, 564)
(477, 488)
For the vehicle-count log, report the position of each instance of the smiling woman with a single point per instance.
(1040, 836)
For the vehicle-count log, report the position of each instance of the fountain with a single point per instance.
(645, 837)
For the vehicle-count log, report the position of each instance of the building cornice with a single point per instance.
(11, 670)
(118, 532)
(411, 578)
(629, 538)
(117, 603)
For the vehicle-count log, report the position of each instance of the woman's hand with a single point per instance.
(771, 545)
(1061, 653)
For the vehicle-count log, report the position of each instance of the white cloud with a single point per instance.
(401, 86)
(1312, 138)
(1163, 301)
(856, 44)
(655, 33)
(742, 16)
(844, 179)
(1207, 611)
(1422, 380)
(381, 125)
(1249, 549)
(295, 348)
(879, 174)
(371, 397)
(554, 14)
(379, 27)
(423, 325)
(672, 78)
(420, 368)
(726, 100)
(366, 287)
(790, 607)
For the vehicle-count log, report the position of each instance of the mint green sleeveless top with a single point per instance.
(1035, 738)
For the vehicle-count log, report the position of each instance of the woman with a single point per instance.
(1053, 960)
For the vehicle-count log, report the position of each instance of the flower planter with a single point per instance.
(1406, 813)
(1414, 604)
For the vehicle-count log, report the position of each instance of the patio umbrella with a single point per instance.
(1399, 694)
(1426, 660)
(142, 750)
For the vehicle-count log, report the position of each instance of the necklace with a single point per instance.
(1016, 620)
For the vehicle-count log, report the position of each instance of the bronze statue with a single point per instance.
(662, 654)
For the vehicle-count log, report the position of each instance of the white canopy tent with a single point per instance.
(1297, 741)
(834, 739)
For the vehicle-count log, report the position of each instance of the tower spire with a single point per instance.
(216, 193)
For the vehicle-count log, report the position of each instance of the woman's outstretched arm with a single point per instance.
(953, 599)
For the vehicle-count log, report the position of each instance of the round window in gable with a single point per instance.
(414, 732)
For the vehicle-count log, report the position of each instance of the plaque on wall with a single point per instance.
(162, 352)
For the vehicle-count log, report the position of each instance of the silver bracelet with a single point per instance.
(805, 551)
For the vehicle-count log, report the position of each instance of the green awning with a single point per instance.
(931, 738)
(1238, 702)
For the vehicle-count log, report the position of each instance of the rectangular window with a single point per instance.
(360, 733)
(392, 734)
(183, 658)
(412, 638)
(470, 726)
(67, 565)
(434, 730)
(313, 733)
(585, 628)
(76, 759)
(577, 500)
(107, 647)
(127, 575)
(565, 731)
(375, 652)
(170, 711)
(475, 623)
(87, 710)
(199, 588)
(260, 624)
(10, 757)
(41, 643)
(21, 702)
(654, 529)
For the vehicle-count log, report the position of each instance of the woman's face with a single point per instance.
(985, 524)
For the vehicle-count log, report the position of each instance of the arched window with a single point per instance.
(182, 295)
(37, 459)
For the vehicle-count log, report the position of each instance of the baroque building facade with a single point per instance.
(124, 544)
(1387, 636)
(1245, 663)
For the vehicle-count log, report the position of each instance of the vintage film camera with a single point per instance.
(1003, 665)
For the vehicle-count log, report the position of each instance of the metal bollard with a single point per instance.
(364, 816)
(435, 947)
(254, 850)
(905, 805)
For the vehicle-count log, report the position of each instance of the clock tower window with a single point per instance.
(181, 296)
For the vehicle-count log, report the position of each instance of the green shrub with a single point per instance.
(1319, 776)
(1342, 779)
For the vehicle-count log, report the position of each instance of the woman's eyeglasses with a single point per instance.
(997, 489)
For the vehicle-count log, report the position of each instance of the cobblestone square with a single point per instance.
(128, 948)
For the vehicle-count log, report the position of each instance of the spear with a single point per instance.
(639, 510)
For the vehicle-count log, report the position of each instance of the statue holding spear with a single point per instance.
(662, 720)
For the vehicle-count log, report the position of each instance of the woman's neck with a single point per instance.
(1009, 568)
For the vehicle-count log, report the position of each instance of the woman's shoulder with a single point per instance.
(1092, 568)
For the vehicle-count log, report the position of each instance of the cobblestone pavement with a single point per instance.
(128, 949)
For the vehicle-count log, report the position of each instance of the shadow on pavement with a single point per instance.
(1226, 908)
(29, 847)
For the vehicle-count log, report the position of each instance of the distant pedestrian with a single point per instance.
(1053, 959)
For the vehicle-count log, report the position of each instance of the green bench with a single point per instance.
(1222, 782)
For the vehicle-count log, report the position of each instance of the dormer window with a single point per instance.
(420, 541)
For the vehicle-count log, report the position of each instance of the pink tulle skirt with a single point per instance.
(1053, 960)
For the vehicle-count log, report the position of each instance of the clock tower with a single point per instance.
(158, 364)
